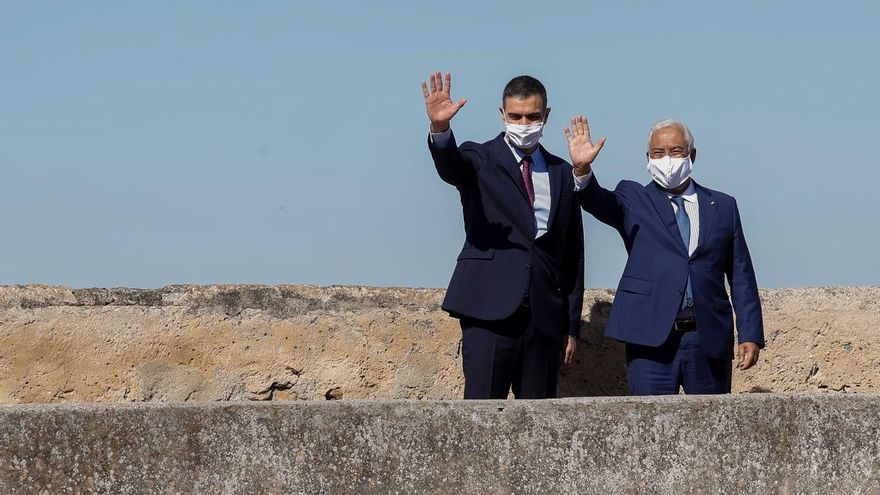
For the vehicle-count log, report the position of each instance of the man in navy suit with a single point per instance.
(671, 307)
(518, 284)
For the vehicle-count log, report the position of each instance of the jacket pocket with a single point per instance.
(635, 285)
(723, 305)
(476, 254)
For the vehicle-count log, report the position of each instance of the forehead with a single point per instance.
(530, 104)
(668, 137)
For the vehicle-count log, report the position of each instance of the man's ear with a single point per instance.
(503, 120)
(546, 115)
(693, 155)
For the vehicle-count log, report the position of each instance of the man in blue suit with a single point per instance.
(518, 284)
(671, 308)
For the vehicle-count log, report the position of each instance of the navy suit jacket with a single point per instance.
(501, 261)
(653, 282)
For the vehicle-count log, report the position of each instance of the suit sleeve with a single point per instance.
(607, 206)
(744, 288)
(575, 266)
(456, 166)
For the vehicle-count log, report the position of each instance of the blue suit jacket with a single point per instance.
(501, 261)
(654, 280)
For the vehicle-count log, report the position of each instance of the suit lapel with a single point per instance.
(509, 164)
(707, 214)
(664, 208)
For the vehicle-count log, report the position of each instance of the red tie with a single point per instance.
(527, 178)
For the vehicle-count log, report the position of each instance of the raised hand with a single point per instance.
(438, 103)
(580, 147)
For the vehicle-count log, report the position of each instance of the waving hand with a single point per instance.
(438, 102)
(580, 146)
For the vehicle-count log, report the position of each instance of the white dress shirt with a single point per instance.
(540, 178)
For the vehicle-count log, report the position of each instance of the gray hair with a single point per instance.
(663, 124)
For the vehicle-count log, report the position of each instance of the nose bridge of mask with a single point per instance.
(664, 163)
(525, 127)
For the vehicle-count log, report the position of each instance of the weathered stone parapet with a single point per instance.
(254, 342)
(757, 443)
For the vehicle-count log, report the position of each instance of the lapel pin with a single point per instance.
(712, 203)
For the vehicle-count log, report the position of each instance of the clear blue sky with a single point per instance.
(153, 143)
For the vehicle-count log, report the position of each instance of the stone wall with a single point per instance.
(756, 443)
(210, 343)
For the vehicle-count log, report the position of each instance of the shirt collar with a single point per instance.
(689, 194)
(538, 162)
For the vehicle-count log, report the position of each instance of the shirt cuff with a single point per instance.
(582, 181)
(441, 139)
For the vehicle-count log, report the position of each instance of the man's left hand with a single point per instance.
(569, 350)
(747, 355)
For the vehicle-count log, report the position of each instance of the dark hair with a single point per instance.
(522, 87)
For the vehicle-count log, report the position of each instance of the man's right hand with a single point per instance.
(438, 103)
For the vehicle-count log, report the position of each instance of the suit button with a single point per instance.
(690, 262)
(527, 266)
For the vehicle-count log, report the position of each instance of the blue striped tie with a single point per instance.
(684, 228)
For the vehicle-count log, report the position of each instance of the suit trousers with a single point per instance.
(510, 353)
(679, 362)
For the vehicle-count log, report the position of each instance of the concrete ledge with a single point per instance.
(760, 443)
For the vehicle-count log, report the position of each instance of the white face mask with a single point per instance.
(524, 136)
(668, 172)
